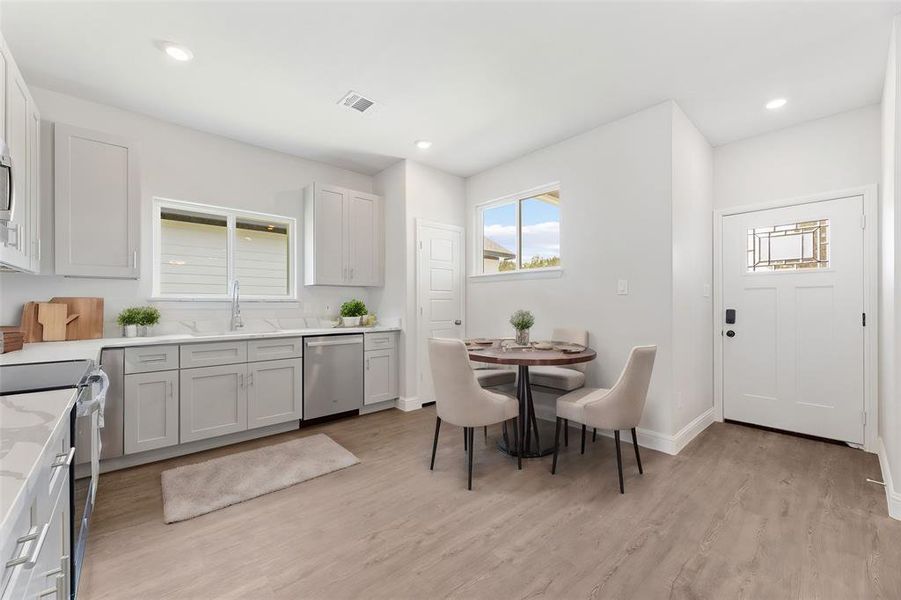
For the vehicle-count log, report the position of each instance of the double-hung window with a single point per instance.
(200, 251)
(519, 232)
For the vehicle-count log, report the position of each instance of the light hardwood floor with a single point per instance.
(740, 513)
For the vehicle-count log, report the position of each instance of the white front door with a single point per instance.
(440, 293)
(793, 358)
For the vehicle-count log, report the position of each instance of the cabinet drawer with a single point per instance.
(57, 460)
(212, 354)
(379, 341)
(151, 358)
(21, 543)
(274, 349)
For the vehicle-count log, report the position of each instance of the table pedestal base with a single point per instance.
(537, 436)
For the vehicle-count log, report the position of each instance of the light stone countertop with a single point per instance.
(27, 424)
(90, 349)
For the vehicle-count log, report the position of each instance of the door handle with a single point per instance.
(730, 334)
(458, 322)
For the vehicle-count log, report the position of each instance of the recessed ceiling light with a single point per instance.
(176, 51)
(776, 103)
(423, 144)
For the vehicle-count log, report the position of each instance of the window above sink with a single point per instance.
(200, 250)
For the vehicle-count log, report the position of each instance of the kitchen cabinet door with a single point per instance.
(325, 242)
(213, 401)
(364, 239)
(50, 576)
(274, 392)
(34, 190)
(151, 411)
(380, 379)
(96, 187)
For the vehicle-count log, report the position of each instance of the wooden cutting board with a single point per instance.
(31, 329)
(53, 319)
(89, 324)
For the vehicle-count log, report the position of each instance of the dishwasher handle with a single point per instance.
(335, 343)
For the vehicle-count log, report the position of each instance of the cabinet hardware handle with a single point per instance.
(171, 391)
(134, 259)
(58, 591)
(351, 273)
(336, 343)
(29, 559)
(250, 379)
(242, 379)
(63, 460)
(367, 364)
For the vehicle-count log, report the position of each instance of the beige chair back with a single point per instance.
(459, 399)
(621, 408)
(572, 336)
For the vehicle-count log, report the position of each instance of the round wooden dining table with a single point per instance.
(524, 358)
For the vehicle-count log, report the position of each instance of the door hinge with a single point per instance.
(863, 319)
(863, 221)
(420, 245)
(863, 416)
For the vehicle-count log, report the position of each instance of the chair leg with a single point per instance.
(566, 432)
(486, 434)
(556, 446)
(583, 439)
(637, 455)
(619, 463)
(594, 434)
(471, 452)
(465, 439)
(516, 443)
(506, 436)
(435, 443)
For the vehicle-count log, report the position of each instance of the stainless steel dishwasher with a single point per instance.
(332, 375)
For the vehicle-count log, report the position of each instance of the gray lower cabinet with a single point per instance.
(213, 401)
(380, 376)
(274, 392)
(151, 411)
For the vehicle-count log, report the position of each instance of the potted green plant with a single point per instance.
(149, 316)
(351, 311)
(522, 321)
(129, 319)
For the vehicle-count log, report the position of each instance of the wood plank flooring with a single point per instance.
(740, 513)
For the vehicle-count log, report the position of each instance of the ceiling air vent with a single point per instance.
(356, 101)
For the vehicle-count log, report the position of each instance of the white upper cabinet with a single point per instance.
(343, 237)
(20, 129)
(96, 188)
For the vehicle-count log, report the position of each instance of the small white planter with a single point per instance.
(350, 321)
(130, 331)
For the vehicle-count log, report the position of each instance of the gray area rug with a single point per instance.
(197, 489)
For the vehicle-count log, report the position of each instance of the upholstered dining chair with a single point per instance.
(489, 377)
(617, 408)
(564, 378)
(461, 401)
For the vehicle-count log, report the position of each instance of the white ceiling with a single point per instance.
(485, 82)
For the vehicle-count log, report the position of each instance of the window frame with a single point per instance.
(231, 215)
(479, 228)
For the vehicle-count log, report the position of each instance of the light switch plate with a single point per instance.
(622, 287)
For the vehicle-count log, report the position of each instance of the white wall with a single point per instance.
(692, 207)
(890, 229)
(177, 162)
(832, 153)
(616, 223)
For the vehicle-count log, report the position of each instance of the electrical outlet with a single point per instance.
(622, 287)
(706, 290)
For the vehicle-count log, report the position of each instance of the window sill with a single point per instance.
(546, 273)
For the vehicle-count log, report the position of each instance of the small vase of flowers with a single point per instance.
(522, 321)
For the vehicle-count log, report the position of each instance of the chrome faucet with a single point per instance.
(236, 322)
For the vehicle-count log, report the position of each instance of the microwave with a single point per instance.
(6, 183)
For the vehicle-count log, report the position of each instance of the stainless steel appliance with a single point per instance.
(332, 375)
(86, 420)
(6, 183)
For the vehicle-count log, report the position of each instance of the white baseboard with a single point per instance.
(408, 404)
(892, 496)
(668, 444)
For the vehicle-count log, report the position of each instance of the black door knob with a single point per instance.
(730, 333)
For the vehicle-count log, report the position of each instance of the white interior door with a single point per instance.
(440, 292)
(794, 357)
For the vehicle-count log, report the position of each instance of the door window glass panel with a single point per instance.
(794, 246)
(261, 257)
(193, 249)
(540, 226)
(499, 238)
